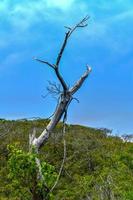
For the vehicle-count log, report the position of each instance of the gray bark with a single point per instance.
(67, 94)
(65, 100)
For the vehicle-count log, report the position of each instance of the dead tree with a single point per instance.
(65, 93)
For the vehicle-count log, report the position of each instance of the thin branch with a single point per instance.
(44, 62)
(64, 157)
(82, 24)
(44, 96)
(61, 168)
(76, 99)
(54, 88)
(40, 174)
(62, 49)
(67, 27)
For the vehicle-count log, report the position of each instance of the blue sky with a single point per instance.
(36, 28)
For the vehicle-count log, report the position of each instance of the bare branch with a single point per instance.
(62, 49)
(67, 27)
(82, 24)
(61, 168)
(44, 96)
(60, 78)
(79, 83)
(74, 98)
(54, 88)
(64, 85)
(44, 62)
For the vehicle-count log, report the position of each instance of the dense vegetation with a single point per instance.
(98, 166)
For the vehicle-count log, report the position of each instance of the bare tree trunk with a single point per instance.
(61, 107)
(66, 99)
(65, 96)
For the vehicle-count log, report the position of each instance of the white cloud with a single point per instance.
(23, 14)
(17, 17)
(60, 4)
(20, 16)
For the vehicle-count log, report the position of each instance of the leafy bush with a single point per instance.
(23, 172)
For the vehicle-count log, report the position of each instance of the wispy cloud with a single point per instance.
(20, 16)
(61, 4)
(26, 13)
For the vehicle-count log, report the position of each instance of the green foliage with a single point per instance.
(98, 166)
(23, 172)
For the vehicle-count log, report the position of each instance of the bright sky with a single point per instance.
(36, 28)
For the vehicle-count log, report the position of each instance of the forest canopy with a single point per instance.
(98, 165)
